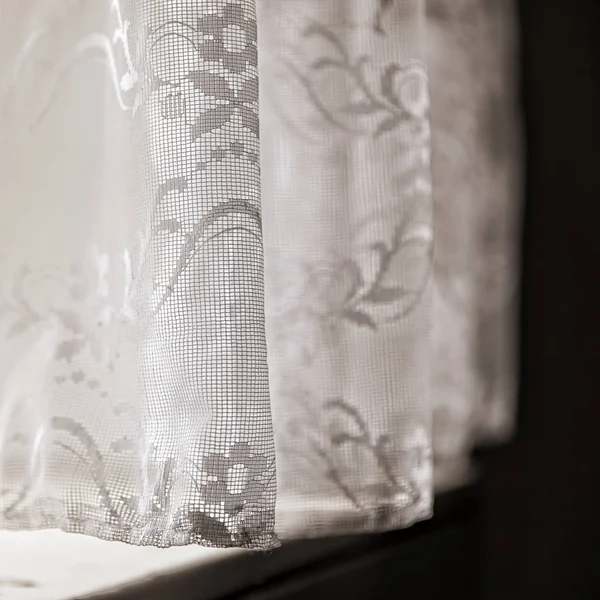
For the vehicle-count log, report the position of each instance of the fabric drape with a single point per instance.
(132, 274)
(223, 324)
(476, 169)
(348, 243)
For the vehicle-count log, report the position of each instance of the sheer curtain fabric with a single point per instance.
(227, 325)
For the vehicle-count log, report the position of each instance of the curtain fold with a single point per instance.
(348, 244)
(476, 168)
(162, 381)
(135, 398)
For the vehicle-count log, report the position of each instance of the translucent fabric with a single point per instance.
(348, 243)
(476, 164)
(154, 365)
(135, 396)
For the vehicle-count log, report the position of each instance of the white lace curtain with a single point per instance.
(210, 336)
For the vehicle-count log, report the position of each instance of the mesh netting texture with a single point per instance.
(135, 294)
(193, 290)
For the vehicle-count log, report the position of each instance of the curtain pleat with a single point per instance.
(345, 142)
(476, 169)
(135, 397)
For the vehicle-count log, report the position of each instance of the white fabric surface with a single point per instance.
(161, 382)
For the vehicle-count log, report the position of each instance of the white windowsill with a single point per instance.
(53, 565)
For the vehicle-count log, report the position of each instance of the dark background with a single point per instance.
(543, 491)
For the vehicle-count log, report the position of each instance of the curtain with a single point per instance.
(476, 168)
(227, 325)
(348, 244)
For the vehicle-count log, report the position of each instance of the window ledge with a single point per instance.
(53, 565)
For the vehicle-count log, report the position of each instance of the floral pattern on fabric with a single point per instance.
(348, 262)
(145, 279)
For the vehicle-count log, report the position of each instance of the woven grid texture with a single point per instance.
(137, 302)
(348, 246)
(154, 365)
